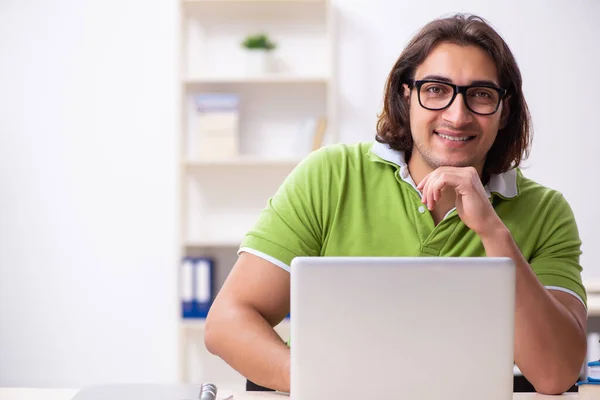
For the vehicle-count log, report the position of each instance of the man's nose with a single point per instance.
(457, 113)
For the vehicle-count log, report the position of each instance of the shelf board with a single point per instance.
(259, 79)
(592, 286)
(199, 323)
(593, 303)
(193, 323)
(213, 243)
(249, 1)
(244, 162)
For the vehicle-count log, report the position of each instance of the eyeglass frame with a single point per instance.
(456, 90)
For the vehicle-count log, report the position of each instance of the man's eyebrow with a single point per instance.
(437, 78)
(441, 78)
(484, 83)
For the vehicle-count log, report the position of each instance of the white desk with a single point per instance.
(37, 394)
(68, 394)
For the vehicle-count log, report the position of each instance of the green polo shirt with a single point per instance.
(359, 200)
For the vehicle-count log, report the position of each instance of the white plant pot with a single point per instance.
(258, 62)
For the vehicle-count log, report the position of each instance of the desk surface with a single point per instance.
(68, 394)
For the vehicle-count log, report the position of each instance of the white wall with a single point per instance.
(87, 162)
(87, 192)
(556, 44)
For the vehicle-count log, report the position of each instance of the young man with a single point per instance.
(440, 180)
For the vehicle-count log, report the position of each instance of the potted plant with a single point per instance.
(258, 51)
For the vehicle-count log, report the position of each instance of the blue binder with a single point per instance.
(197, 286)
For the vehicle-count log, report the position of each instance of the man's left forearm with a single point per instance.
(550, 344)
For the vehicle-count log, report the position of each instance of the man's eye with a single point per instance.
(482, 94)
(435, 90)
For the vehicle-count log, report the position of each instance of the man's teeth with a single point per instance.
(454, 138)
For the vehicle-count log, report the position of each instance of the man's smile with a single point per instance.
(453, 138)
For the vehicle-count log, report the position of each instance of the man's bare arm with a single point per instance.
(239, 326)
(550, 339)
(550, 326)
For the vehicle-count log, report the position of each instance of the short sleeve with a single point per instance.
(291, 224)
(556, 259)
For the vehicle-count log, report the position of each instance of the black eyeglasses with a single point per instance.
(437, 95)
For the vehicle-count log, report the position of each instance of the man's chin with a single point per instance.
(453, 163)
(436, 159)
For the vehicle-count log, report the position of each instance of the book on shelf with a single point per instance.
(217, 126)
(196, 286)
(311, 134)
(319, 133)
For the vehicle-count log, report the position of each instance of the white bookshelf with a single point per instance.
(243, 162)
(253, 80)
(221, 197)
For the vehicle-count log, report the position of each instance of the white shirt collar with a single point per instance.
(504, 184)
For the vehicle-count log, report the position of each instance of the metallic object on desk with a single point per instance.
(208, 391)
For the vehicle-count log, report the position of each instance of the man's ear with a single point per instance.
(406, 93)
(505, 113)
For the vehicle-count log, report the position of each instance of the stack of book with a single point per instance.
(217, 130)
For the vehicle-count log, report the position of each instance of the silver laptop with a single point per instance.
(422, 328)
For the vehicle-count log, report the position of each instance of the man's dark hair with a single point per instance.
(513, 140)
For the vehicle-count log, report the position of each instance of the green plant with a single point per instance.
(258, 42)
